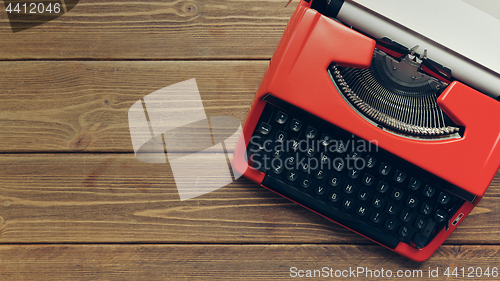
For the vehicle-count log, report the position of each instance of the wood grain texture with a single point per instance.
(105, 198)
(153, 29)
(234, 262)
(83, 106)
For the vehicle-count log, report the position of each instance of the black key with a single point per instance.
(311, 132)
(309, 151)
(390, 224)
(368, 179)
(397, 194)
(440, 215)
(382, 187)
(278, 152)
(420, 223)
(361, 211)
(304, 167)
(295, 125)
(405, 216)
(399, 176)
(347, 204)
(325, 139)
(338, 164)
(354, 155)
(363, 195)
(319, 174)
(277, 168)
(403, 231)
(334, 197)
(280, 136)
(391, 209)
(291, 175)
(264, 128)
(420, 241)
(444, 198)
(384, 169)
(429, 191)
(305, 183)
(429, 229)
(377, 202)
(414, 184)
(375, 217)
(353, 173)
(412, 201)
(370, 161)
(334, 180)
(290, 161)
(325, 160)
(349, 188)
(281, 117)
(293, 144)
(320, 190)
(426, 209)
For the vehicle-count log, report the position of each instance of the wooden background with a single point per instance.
(75, 204)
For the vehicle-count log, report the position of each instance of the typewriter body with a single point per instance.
(370, 133)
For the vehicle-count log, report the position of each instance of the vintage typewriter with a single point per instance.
(373, 126)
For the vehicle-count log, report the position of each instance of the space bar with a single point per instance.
(330, 212)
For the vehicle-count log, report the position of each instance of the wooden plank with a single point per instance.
(237, 262)
(110, 198)
(83, 106)
(153, 29)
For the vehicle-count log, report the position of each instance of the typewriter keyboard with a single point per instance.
(349, 180)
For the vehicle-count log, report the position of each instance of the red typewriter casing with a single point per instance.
(298, 75)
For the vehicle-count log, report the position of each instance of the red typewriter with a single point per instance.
(371, 132)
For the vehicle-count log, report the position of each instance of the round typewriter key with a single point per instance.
(319, 174)
(334, 180)
(375, 217)
(363, 195)
(281, 117)
(382, 187)
(347, 203)
(320, 190)
(291, 175)
(420, 223)
(399, 176)
(440, 215)
(412, 201)
(444, 198)
(264, 128)
(429, 191)
(414, 184)
(349, 187)
(361, 211)
(377, 202)
(368, 179)
(391, 209)
(397, 194)
(334, 197)
(384, 169)
(295, 125)
(390, 224)
(305, 183)
(426, 209)
(370, 161)
(403, 231)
